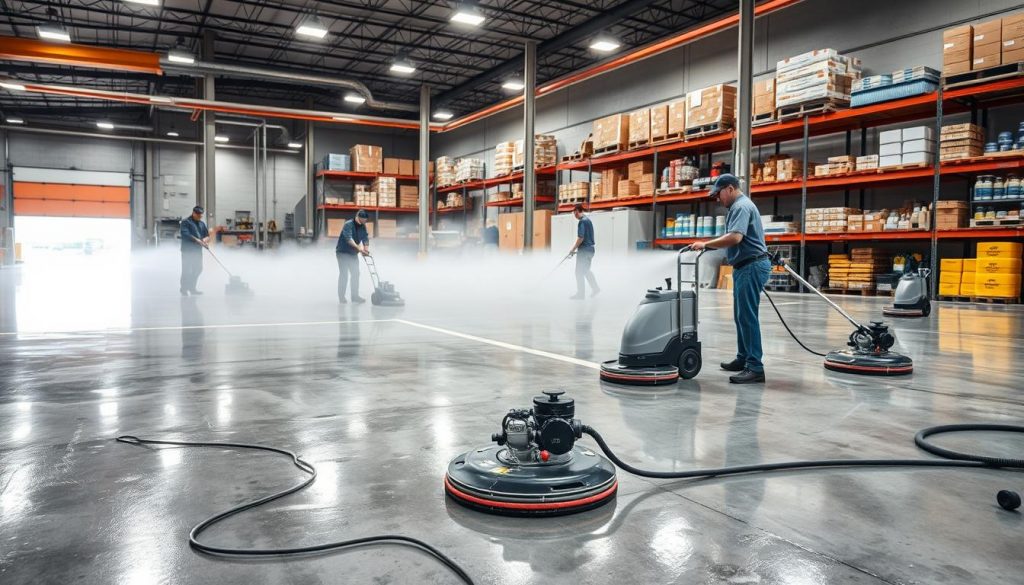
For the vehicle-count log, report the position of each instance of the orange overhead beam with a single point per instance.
(18, 49)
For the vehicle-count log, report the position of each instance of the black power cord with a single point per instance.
(952, 458)
(790, 331)
(306, 467)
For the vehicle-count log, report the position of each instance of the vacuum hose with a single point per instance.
(307, 468)
(951, 458)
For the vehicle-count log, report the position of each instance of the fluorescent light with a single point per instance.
(222, 139)
(294, 145)
(312, 27)
(354, 98)
(402, 66)
(157, 99)
(179, 56)
(12, 86)
(443, 115)
(15, 121)
(513, 85)
(144, 2)
(53, 32)
(466, 15)
(105, 125)
(605, 44)
(341, 119)
(172, 134)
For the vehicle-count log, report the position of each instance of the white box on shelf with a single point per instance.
(914, 158)
(890, 149)
(890, 161)
(922, 145)
(919, 133)
(887, 136)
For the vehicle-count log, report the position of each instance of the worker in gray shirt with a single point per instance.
(748, 254)
(353, 242)
(194, 237)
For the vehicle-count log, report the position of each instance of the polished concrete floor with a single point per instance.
(379, 400)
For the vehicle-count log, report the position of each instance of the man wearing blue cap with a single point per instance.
(354, 240)
(194, 237)
(748, 254)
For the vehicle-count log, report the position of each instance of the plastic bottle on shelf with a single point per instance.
(979, 212)
(1013, 187)
(998, 188)
(990, 213)
(983, 188)
(720, 225)
(693, 225)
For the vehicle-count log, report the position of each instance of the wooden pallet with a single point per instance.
(572, 200)
(674, 190)
(674, 137)
(953, 299)
(983, 75)
(707, 130)
(762, 119)
(613, 149)
(638, 144)
(859, 292)
(576, 156)
(995, 222)
(813, 108)
(997, 300)
(904, 167)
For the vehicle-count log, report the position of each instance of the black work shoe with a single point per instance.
(747, 377)
(358, 300)
(736, 365)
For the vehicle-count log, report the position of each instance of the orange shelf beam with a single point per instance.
(981, 233)
(517, 202)
(361, 175)
(347, 207)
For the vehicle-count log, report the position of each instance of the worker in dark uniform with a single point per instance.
(748, 254)
(583, 249)
(354, 240)
(194, 237)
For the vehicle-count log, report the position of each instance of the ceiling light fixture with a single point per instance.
(341, 119)
(172, 134)
(15, 121)
(294, 145)
(222, 139)
(180, 53)
(513, 84)
(312, 27)
(605, 44)
(53, 30)
(354, 98)
(402, 65)
(468, 14)
(144, 2)
(157, 99)
(443, 115)
(12, 86)
(105, 125)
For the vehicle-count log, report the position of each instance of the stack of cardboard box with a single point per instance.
(445, 171)
(961, 141)
(336, 162)
(367, 158)
(789, 169)
(609, 188)
(907, 146)
(642, 174)
(387, 191)
(1013, 38)
(365, 197)
(957, 43)
(951, 215)
(611, 133)
(987, 45)
(640, 128)
(838, 270)
(822, 75)
(511, 225)
(573, 192)
(836, 165)
(408, 196)
(865, 264)
(468, 169)
(866, 163)
(545, 152)
(828, 219)
(387, 228)
(676, 119)
(764, 99)
(711, 106)
(998, 270)
(951, 283)
(659, 122)
(504, 152)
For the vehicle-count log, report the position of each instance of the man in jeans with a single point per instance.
(354, 240)
(583, 249)
(748, 254)
(194, 237)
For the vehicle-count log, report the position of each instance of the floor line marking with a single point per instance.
(503, 345)
(191, 327)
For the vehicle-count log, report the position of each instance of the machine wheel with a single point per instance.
(689, 363)
(927, 308)
(375, 298)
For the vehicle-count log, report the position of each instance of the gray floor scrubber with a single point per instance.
(660, 343)
(911, 297)
(384, 293)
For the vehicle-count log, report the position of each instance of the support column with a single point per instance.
(529, 171)
(149, 187)
(741, 160)
(208, 196)
(424, 182)
(310, 178)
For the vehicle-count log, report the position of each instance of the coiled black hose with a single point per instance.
(952, 458)
(790, 331)
(306, 467)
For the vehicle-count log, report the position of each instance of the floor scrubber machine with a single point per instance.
(911, 296)
(384, 293)
(235, 286)
(660, 342)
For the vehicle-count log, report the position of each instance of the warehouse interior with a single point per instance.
(474, 421)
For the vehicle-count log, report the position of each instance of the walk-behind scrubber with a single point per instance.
(911, 296)
(384, 293)
(660, 343)
(235, 286)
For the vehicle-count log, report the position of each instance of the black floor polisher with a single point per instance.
(235, 286)
(384, 293)
(870, 347)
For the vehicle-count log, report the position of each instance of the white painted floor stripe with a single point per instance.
(191, 327)
(503, 345)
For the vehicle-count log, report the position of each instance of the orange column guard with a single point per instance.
(16, 49)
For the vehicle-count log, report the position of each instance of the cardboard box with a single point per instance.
(637, 170)
(628, 188)
(890, 136)
(711, 105)
(1013, 27)
(640, 126)
(966, 289)
(917, 158)
(334, 227)
(998, 250)
(956, 68)
(405, 166)
(367, 158)
(677, 117)
(764, 97)
(987, 33)
(949, 289)
(890, 149)
(918, 133)
(541, 228)
(659, 121)
(890, 161)
(611, 132)
(1015, 55)
(956, 45)
(510, 231)
(968, 277)
(922, 145)
(986, 62)
(970, 264)
(391, 166)
(951, 265)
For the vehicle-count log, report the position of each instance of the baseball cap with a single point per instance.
(198, 209)
(723, 181)
(361, 214)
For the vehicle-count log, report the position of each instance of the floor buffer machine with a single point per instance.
(911, 296)
(384, 293)
(235, 286)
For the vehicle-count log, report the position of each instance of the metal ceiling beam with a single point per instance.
(568, 38)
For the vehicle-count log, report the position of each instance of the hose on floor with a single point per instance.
(790, 331)
(950, 458)
(305, 467)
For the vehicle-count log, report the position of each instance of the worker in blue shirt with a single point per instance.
(583, 249)
(748, 254)
(354, 240)
(194, 237)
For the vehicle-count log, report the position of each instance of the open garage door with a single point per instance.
(69, 193)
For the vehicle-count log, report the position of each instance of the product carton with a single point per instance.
(611, 132)
(640, 126)
(367, 158)
(405, 166)
(998, 250)
(764, 97)
(391, 166)
(677, 117)
(659, 121)
(711, 105)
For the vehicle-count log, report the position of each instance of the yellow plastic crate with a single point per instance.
(950, 276)
(999, 249)
(951, 265)
(997, 285)
(998, 266)
(967, 289)
(969, 264)
(968, 278)
(949, 289)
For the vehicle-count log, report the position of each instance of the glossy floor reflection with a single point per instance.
(380, 405)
